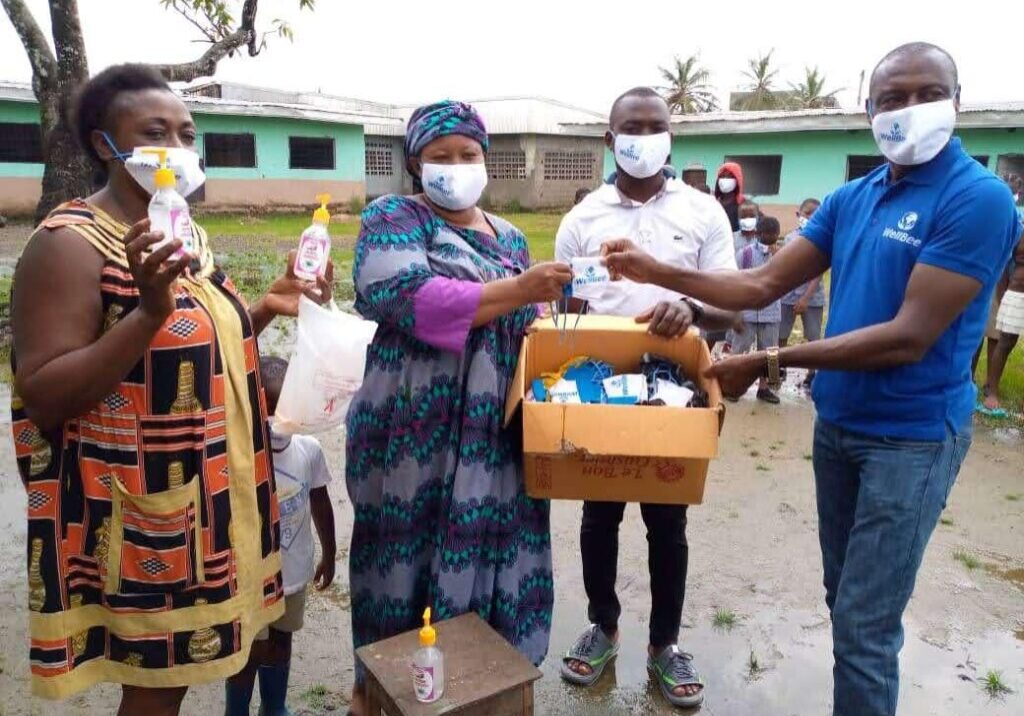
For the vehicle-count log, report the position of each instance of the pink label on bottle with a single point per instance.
(181, 228)
(312, 254)
(423, 683)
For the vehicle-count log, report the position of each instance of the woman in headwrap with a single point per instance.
(140, 427)
(441, 516)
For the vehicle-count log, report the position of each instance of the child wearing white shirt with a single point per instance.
(302, 476)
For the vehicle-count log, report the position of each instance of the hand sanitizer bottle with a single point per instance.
(315, 244)
(428, 665)
(168, 210)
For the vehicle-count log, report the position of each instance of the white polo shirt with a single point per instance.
(680, 226)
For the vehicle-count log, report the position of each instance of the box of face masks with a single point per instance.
(618, 453)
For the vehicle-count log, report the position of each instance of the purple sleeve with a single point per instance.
(444, 309)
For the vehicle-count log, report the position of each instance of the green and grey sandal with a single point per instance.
(592, 648)
(674, 668)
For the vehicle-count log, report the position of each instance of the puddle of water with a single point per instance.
(794, 653)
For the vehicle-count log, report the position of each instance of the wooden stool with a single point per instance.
(485, 675)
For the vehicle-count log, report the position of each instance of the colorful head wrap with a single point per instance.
(439, 120)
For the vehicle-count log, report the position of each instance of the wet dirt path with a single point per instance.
(753, 552)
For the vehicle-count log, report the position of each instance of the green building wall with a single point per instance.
(815, 163)
(272, 147)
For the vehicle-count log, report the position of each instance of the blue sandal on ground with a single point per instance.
(991, 412)
(593, 648)
(674, 668)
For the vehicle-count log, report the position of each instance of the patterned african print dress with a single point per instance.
(152, 518)
(441, 515)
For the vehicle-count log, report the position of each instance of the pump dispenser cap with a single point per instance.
(322, 215)
(428, 637)
(164, 177)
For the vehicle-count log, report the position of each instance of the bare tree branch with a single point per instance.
(206, 65)
(40, 57)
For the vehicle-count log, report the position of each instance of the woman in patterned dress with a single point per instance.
(441, 515)
(140, 431)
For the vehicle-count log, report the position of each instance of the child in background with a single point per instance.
(762, 324)
(748, 215)
(301, 473)
(807, 301)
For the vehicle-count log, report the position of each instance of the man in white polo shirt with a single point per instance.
(687, 228)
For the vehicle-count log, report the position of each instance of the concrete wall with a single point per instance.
(536, 192)
(815, 163)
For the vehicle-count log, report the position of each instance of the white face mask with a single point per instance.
(914, 135)
(748, 223)
(185, 163)
(726, 185)
(801, 221)
(454, 186)
(642, 155)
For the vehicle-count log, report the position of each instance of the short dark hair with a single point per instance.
(747, 203)
(272, 371)
(809, 201)
(94, 101)
(768, 225)
(640, 92)
(915, 48)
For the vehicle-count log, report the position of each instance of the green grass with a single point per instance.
(761, 467)
(808, 456)
(966, 559)
(1014, 497)
(755, 453)
(316, 696)
(946, 521)
(724, 619)
(992, 684)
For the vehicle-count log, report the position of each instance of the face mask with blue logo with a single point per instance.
(914, 135)
(642, 155)
(454, 186)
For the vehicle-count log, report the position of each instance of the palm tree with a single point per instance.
(688, 90)
(810, 94)
(762, 84)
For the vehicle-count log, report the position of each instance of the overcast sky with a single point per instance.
(575, 51)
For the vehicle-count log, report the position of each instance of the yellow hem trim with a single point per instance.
(102, 670)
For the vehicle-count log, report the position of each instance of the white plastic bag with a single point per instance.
(325, 371)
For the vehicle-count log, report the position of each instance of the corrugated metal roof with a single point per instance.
(979, 115)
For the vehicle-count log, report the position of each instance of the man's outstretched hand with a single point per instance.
(625, 259)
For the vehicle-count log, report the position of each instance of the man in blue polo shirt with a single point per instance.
(915, 250)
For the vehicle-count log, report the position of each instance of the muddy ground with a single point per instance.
(753, 552)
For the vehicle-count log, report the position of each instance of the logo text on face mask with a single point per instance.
(631, 152)
(439, 184)
(895, 134)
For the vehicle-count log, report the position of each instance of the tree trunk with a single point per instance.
(68, 172)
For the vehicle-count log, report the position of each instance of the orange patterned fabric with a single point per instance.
(153, 518)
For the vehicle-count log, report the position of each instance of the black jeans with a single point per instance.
(667, 558)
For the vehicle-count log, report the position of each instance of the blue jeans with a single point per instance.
(879, 500)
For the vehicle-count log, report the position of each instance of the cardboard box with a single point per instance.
(617, 453)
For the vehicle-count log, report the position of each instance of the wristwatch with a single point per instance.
(698, 310)
(772, 371)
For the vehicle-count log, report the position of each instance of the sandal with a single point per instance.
(593, 648)
(675, 668)
(991, 412)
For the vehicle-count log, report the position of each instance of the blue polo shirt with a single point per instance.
(951, 213)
